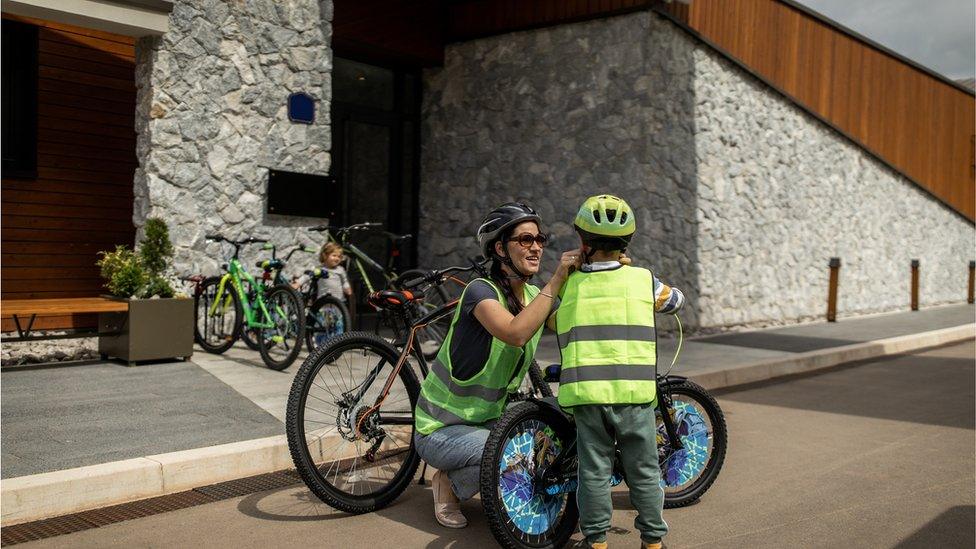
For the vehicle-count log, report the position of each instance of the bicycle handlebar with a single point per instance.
(437, 275)
(357, 226)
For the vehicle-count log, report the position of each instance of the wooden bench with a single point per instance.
(24, 313)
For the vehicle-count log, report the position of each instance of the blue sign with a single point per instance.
(301, 108)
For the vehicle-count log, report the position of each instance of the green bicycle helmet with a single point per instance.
(605, 222)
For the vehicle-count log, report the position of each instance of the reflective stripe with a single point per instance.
(633, 372)
(607, 332)
(438, 413)
(480, 391)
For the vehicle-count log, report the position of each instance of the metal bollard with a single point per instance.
(972, 281)
(914, 284)
(832, 289)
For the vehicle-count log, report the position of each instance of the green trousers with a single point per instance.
(631, 427)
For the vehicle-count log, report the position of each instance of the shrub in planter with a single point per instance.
(156, 325)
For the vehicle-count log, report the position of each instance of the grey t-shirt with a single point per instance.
(471, 342)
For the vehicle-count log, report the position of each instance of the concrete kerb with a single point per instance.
(45, 495)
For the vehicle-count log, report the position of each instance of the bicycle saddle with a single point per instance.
(386, 299)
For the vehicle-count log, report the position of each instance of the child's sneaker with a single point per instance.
(599, 545)
(654, 545)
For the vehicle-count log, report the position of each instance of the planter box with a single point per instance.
(152, 329)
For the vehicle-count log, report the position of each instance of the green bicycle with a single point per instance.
(222, 310)
(271, 275)
(429, 337)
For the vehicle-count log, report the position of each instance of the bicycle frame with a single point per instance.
(235, 273)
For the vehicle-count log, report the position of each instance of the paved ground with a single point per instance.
(875, 455)
(64, 417)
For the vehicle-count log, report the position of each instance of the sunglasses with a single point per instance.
(525, 240)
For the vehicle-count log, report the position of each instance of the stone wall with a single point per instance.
(212, 119)
(742, 197)
(780, 193)
(553, 116)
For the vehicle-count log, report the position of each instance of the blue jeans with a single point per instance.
(456, 450)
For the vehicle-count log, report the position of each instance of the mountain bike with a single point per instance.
(528, 471)
(431, 336)
(223, 307)
(349, 417)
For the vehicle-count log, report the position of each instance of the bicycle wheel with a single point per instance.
(250, 335)
(520, 513)
(280, 344)
(216, 327)
(326, 317)
(430, 337)
(353, 457)
(686, 474)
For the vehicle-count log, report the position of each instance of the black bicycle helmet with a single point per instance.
(494, 224)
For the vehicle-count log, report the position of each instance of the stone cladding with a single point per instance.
(742, 197)
(212, 119)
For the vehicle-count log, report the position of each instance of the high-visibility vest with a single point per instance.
(445, 400)
(605, 329)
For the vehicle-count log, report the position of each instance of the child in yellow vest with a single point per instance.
(607, 340)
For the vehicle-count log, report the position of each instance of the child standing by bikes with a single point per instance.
(337, 280)
(605, 327)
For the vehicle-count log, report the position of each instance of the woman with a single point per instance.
(486, 353)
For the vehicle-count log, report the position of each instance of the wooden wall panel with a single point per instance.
(916, 122)
(81, 200)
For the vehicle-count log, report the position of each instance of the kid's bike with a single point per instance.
(223, 307)
(528, 471)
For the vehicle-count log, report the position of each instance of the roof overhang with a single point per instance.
(127, 17)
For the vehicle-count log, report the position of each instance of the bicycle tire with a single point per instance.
(202, 297)
(294, 328)
(295, 422)
(538, 380)
(510, 531)
(434, 297)
(313, 321)
(713, 465)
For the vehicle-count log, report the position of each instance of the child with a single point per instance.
(605, 326)
(337, 281)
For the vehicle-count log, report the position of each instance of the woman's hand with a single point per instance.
(569, 262)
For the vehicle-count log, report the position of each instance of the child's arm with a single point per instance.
(667, 300)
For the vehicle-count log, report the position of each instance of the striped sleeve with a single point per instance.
(667, 300)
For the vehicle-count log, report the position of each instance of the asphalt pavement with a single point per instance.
(877, 454)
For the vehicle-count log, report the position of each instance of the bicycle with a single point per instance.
(528, 471)
(221, 312)
(433, 335)
(349, 417)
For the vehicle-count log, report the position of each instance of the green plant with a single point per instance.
(123, 271)
(140, 275)
(155, 251)
(155, 248)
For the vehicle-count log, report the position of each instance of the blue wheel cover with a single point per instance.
(530, 511)
(685, 464)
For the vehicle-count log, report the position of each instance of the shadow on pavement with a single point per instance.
(777, 342)
(935, 388)
(953, 528)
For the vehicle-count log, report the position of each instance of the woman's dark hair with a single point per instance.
(502, 279)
